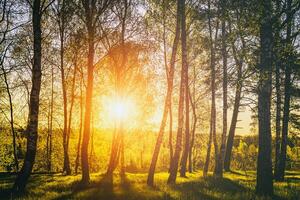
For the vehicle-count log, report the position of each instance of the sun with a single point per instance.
(121, 109)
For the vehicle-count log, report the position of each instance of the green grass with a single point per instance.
(233, 186)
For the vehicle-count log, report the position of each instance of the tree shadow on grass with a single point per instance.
(209, 188)
(108, 187)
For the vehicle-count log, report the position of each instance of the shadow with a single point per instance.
(100, 189)
(236, 173)
(201, 189)
(125, 183)
(295, 179)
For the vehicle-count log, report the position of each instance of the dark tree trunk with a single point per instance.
(80, 125)
(278, 120)
(287, 97)
(50, 128)
(66, 167)
(187, 101)
(115, 150)
(212, 134)
(171, 132)
(122, 152)
(264, 179)
(178, 146)
(72, 103)
(207, 158)
(32, 126)
(61, 23)
(277, 52)
(193, 128)
(168, 99)
(232, 128)
(88, 108)
(236, 106)
(220, 160)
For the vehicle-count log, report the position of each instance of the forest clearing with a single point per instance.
(150, 99)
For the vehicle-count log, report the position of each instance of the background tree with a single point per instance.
(264, 180)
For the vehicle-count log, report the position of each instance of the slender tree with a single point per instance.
(80, 123)
(50, 124)
(184, 68)
(92, 11)
(287, 94)
(193, 105)
(220, 160)
(212, 130)
(237, 99)
(61, 10)
(277, 52)
(264, 179)
(187, 101)
(32, 125)
(168, 98)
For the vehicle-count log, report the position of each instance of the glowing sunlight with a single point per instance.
(122, 109)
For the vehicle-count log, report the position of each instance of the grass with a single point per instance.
(233, 186)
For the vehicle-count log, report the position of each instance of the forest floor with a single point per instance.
(235, 185)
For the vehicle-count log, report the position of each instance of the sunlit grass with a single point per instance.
(235, 185)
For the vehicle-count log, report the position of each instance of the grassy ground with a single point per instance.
(233, 186)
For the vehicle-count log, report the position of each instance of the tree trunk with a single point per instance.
(32, 126)
(88, 108)
(89, 8)
(193, 129)
(50, 129)
(236, 106)
(66, 167)
(178, 146)
(122, 151)
(287, 97)
(80, 125)
(212, 134)
(207, 158)
(168, 99)
(278, 120)
(187, 107)
(238, 91)
(264, 179)
(71, 104)
(220, 160)
(171, 132)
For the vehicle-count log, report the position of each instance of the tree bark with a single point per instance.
(66, 166)
(220, 160)
(187, 107)
(72, 102)
(89, 7)
(178, 146)
(264, 179)
(88, 107)
(170, 76)
(236, 106)
(277, 120)
(50, 129)
(80, 125)
(32, 126)
(287, 97)
(212, 134)
(193, 104)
